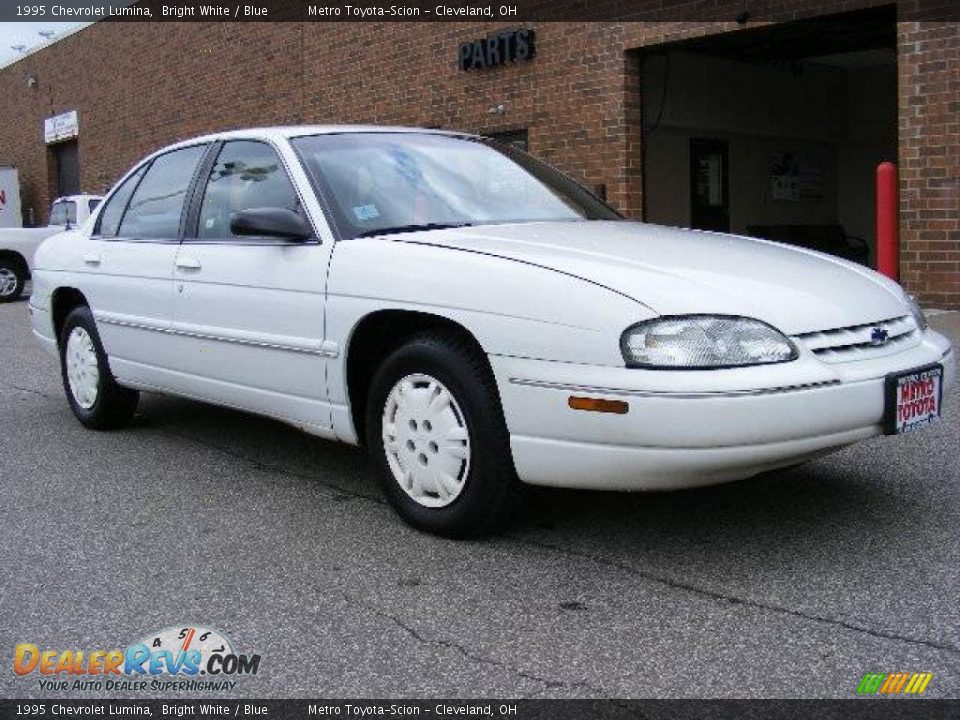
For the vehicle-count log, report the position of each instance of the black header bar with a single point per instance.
(733, 11)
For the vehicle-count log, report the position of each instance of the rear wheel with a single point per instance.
(13, 276)
(436, 429)
(94, 396)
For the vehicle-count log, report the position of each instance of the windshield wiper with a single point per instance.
(411, 228)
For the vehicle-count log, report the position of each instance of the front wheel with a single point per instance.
(94, 396)
(435, 427)
(13, 276)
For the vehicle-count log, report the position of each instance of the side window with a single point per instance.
(92, 204)
(157, 203)
(247, 174)
(109, 221)
(63, 212)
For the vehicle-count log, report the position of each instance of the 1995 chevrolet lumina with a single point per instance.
(473, 317)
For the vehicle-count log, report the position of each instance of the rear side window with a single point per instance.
(93, 204)
(63, 212)
(109, 221)
(157, 203)
(248, 174)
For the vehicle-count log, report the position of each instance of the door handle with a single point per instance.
(188, 263)
(91, 259)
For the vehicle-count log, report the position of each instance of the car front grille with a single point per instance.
(857, 341)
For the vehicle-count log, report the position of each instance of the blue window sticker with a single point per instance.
(366, 212)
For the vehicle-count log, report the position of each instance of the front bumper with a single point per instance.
(689, 428)
(42, 326)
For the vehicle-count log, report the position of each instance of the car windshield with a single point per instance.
(63, 212)
(378, 183)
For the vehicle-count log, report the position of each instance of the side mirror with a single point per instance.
(275, 222)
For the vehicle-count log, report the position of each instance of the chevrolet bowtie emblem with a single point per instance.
(878, 336)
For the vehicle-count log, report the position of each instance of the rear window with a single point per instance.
(63, 212)
(109, 221)
(157, 203)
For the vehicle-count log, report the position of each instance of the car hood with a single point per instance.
(674, 271)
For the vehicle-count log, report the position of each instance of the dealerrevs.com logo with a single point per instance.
(188, 658)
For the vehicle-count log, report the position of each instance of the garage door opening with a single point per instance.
(774, 132)
(67, 167)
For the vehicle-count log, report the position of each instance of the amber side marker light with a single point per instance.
(618, 407)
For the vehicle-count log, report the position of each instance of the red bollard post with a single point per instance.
(888, 221)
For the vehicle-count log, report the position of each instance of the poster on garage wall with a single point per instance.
(10, 215)
(795, 178)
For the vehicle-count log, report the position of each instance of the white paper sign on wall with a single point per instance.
(60, 127)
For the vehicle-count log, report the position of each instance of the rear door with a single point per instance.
(249, 311)
(129, 264)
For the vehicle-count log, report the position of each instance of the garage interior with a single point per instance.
(774, 132)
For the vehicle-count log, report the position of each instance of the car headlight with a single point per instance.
(681, 342)
(917, 312)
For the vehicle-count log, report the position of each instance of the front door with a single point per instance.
(709, 185)
(248, 323)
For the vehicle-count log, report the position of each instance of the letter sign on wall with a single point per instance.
(509, 46)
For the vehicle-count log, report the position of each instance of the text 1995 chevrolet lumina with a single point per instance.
(473, 317)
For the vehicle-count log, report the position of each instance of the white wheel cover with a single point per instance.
(83, 372)
(426, 440)
(8, 282)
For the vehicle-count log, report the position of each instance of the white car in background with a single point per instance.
(473, 317)
(18, 245)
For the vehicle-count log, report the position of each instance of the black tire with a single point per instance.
(114, 405)
(12, 268)
(491, 492)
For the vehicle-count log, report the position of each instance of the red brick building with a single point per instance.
(754, 127)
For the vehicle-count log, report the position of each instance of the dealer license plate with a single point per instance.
(913, 399)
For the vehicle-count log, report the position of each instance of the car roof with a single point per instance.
(284, 132)
(77, 198)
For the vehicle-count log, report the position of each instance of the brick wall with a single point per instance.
(137, 88)
(929, 80)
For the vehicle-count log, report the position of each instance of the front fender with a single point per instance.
(512, 308)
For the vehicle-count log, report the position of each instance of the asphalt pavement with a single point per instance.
(792, 584)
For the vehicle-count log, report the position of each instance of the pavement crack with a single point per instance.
(410, 630)
(339, 492)
(735, 600)
(32, 391)
(716, 595)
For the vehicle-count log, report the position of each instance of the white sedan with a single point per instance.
(475, 318)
